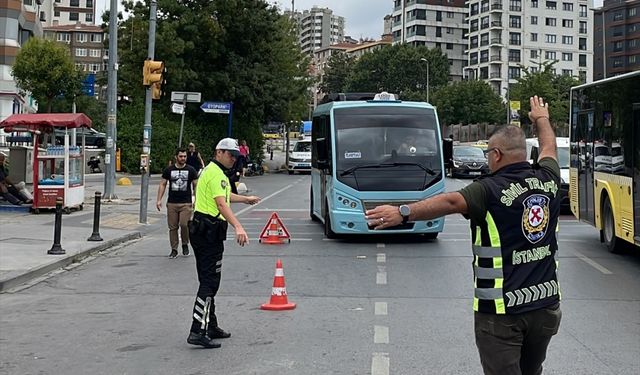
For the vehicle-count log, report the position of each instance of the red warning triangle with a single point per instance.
(274, 232)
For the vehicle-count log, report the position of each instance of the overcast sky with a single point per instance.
(363, 18)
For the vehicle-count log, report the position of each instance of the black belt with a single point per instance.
(207, 216)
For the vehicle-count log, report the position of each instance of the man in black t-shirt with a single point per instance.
(182, 179)
(513, 214)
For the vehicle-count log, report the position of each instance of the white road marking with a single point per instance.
(381, 308)
(381, 276)
(593, 263)
(381, 257)
(380, 335)
(380, 245)
(380, 364)
(263, 200)
(281, 209)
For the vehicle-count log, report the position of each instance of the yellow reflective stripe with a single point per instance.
(475, 303)
(498, 283)
(478, 237)
(500, 306)
(475, 260)
(493, 231)
(497, 262)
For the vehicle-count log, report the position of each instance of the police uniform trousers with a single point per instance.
(208, 247)
(515, 344)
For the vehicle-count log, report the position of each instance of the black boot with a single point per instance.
(218, 333)
(199, 338)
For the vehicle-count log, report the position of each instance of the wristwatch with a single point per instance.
(405, 211)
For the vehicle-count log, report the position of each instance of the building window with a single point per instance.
(484, 6)
(631, 44)
(618, 46)
(81, 52)
(473, 58)
(514, 72)
(515, 5)
(534, 20)
(56, 13)
(567, 23)
(567, 56)
(63, 37)
(534, 54)
(484, 56)
(632, 12)
(582, 60)
(549, 38)
(449, 30)
(484, 39)
(514, 55)
(449, 14)
(552, 5)
(567, 39)
(534, 37)
(89, 3)
(550, 21)
(474, 9)
(88, 17)
(617, 62)
(583, 27)
(582, 44)
(27, 2)
(567, 6)
(449, 45)
(473, 42)
(73, 16)
(439, 32)
(632, 60)
(583, 11)
(95, 52)
(550, 55)
(514, 38)
(438, 16)
(74, 3)
(81, 37)
(484, 22)
(514, 22)
(567, 72)
(534, 3)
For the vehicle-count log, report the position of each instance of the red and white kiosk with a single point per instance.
(58, 170)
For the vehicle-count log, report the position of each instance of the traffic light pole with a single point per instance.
(145, 158)
(112, 105)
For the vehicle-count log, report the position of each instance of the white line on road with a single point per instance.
(593, 263)
(380, 335)
(381, 308)
(380, 245)
(263, 200)
(381, 257)
(381, 276)
(380, 364)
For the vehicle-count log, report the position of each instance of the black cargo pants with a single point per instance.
(207, 235)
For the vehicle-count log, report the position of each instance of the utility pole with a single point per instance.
(112, 105)
(145, 158)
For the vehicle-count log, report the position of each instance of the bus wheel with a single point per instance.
(327, 225)
(609, 228)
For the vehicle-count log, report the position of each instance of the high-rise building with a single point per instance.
(318, 28)
(434, 24)
(616, 38)
(505, 35)
(66, 12)
(19, 23)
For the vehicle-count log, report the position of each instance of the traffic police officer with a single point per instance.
(208, 230)
(514, 215)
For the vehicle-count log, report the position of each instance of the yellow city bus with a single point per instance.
(604, 168)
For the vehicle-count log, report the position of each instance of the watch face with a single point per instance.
(405, 210)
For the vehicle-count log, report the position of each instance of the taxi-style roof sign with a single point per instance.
(385, 96)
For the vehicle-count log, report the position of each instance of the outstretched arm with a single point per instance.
(539, 116)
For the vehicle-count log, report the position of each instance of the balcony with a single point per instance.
(495, 76)
(496, 23)
(496, 7)
(496, 58)
(496, 41)
(515, 8)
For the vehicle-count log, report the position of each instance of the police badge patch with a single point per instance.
(223, 183)
(535, 217)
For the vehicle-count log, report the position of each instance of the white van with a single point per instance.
(563, 161)
(300, 157)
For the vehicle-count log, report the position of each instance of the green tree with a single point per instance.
(336, 75)
(45, 69)
(400, 69)
(468, 102)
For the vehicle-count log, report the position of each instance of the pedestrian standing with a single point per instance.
(513, 215)
(244, 156)
(181, 179)
(194, 158)
(208, 232)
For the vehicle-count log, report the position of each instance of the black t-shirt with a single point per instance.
(179, 181)
(193, 159)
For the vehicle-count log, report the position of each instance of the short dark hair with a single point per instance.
(180, 149)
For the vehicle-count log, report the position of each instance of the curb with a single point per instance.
(33, 273)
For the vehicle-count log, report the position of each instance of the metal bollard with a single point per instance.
(271, 157)
(95, 236)
(56, 249)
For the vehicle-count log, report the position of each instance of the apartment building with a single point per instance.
(507, 34)
(318, 28)
(434, 24)
(85, 43)
(66, 12)
(616, 38)
(18, 23)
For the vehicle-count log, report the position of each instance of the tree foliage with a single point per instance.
(468, 102)
(240, 51)
(46, 70)
(555, 89)
(336, 75)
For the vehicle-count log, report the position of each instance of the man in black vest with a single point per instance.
(513, 214)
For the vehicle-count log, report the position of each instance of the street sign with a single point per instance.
(192, 97)
(216, 107)
(177, 108)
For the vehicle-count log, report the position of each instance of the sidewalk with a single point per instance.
(25, 238)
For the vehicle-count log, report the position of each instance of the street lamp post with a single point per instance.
(427, 61)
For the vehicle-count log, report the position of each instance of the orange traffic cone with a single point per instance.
(278, 299)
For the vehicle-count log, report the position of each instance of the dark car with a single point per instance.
(92, 137)
(468, 161)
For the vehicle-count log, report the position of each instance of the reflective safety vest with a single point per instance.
(515, 245)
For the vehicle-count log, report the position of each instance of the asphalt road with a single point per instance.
(376, 306)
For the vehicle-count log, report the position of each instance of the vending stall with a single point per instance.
(58, 169)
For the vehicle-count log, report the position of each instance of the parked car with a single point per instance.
(92, 137)
(300, 157)
(468, 161)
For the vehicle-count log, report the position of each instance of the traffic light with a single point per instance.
(156, 90)
(152, 72)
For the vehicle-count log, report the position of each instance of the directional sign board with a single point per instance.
(216, 107)
(192, 97)
(177, 108)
